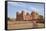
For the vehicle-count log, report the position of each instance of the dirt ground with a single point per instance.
(23, 25)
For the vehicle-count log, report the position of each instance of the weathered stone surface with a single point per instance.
(27, 16)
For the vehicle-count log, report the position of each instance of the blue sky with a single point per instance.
(13, 7)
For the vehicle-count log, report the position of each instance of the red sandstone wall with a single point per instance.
(22, 16)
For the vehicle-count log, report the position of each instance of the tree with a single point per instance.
(41, 19)
(8, 18)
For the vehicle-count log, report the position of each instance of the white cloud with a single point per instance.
(32, 8)
(16, 3)
(41, 12)
(12, 3)
(25, 11)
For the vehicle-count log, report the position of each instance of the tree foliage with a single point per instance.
(41, 19)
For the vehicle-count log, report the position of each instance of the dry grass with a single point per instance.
(23, 24)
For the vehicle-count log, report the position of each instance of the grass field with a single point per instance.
(23, 25)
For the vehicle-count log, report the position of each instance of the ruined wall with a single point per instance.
(27, 17)
(19, 16)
